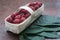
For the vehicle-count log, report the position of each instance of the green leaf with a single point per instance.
(42, 27)
(49, 25)
(47, 20)
(52, 29)
(22, 37)
(37, 38)
(50, 35)
(34, 29)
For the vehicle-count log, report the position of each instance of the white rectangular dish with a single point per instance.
(18, 28)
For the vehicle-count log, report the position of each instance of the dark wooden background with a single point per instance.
(7, 7)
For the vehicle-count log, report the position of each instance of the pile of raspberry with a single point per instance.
(18, 17)
(35, 5)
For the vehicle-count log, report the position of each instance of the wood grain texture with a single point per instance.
(7, 7)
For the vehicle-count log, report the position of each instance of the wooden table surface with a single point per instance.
(7, 7)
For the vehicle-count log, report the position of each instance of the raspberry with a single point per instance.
(34, 3)
(24, 11)
(22, 19)
(16, 21)
(9, 19)
(13, 16)
(39, 3)
(22, 15)
(17, 13)
(36, 7)
(31, 4)
(17, 17)
(27, 15)
(32, 8)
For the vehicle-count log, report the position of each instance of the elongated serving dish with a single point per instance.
(18, 28)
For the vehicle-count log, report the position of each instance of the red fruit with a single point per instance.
(9, 19)
(17, 17)
(32, 8)
(27, 15)
(34, 3)
(22, 19)
(16, 21)
(13, 16)
(17, 13)
(39, 3)
(22, 15)
(36, 7)
(31, 4)
(24, 11)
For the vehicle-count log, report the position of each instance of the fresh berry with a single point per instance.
(17, 13)
(34, 3)
(27, 15)
(31, 4)
(22, 19)
(32, 8)
(13, 16)
(10, 19)
(36, 7)
(22, 15)
(23, 11)
(17, 17)
(16, 21)
(39, 3)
